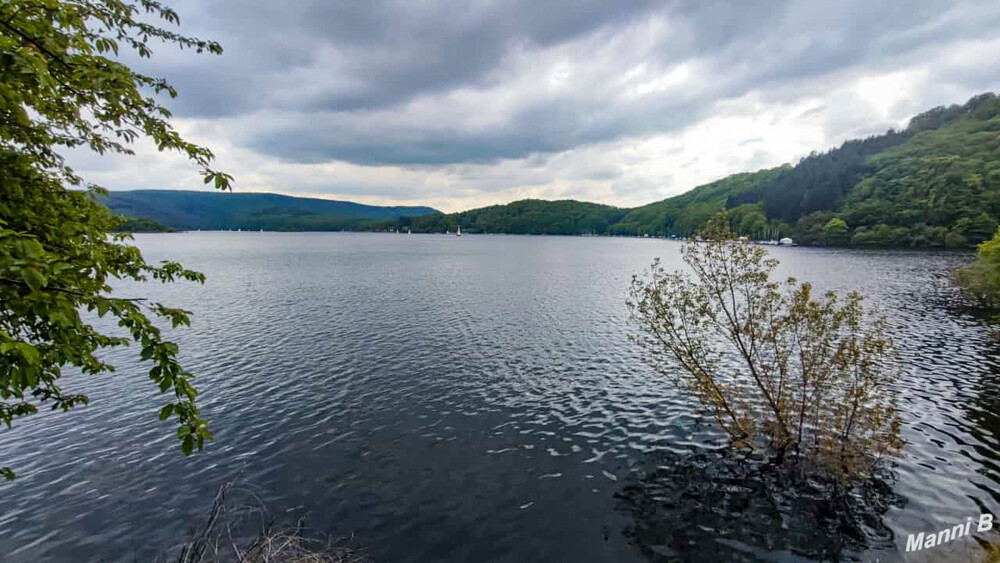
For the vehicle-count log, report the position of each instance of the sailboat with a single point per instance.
(458, 233)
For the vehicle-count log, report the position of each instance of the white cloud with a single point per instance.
(623, 111)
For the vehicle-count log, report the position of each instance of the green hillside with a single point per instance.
(529, 216)
(272, 212)
(684, 214)
(132, 225)
(936, 183)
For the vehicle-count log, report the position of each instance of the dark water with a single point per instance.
(453, 399)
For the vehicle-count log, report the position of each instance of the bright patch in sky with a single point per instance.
(458, 105)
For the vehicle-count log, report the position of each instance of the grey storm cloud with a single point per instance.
(400, 82)
(542, 127)
(386, 51)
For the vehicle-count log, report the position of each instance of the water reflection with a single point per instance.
(728, 506)
(983, 412)
(445, 399)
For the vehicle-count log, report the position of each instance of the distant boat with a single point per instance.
(409, 231)
(459, 232)
(262, 230)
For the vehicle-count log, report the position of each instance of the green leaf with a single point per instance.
(35, 280)
(32, 248)
(166, 411)
(29, 354)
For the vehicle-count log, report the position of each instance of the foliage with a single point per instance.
(250, 211)
(835, 231)
(992, 553)
(683, 215)
(940, 181)
(935, 183)
(141, 225)
(818, 181)
(529, 216)
(955, 240)
(981, 279)
(775, 366)
(749, 220)
(60, 90)
(880, 235)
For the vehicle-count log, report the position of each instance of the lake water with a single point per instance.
(452, 399)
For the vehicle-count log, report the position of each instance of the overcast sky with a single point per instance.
(458, 104)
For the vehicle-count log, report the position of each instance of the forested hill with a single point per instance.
(529, 216)
(272, 212)
(935, 183)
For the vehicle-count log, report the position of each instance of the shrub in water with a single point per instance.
(778, 369)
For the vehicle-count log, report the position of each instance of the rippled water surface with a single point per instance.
(452, 399)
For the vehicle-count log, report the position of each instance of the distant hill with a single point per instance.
(529, 216)
(273, 212)
(935, 183)
(131, 225)
(684, 214)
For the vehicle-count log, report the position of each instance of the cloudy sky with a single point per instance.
(458, 104)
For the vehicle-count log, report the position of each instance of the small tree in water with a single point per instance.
(778, 369)
(980, 280)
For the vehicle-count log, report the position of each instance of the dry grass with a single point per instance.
(992, 553)
(217, 539)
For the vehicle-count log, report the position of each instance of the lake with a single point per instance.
(453, 399)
